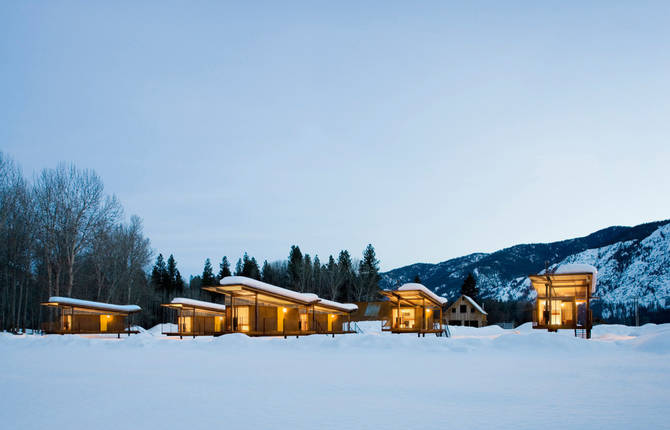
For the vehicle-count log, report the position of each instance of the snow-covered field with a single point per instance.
(479, 378)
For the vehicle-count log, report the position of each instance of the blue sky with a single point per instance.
(430, 130)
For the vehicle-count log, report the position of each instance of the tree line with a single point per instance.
(343, 279)
(61, 234)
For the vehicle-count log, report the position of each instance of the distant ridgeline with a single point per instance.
(632, 262)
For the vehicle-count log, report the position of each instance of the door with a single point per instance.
(281, 314)
(218, 324)
(331, 319)
(242, 318)
(407, 319)
(66, 323)
(555, 312)
(103, 322)
(303, 322)
(186, 324)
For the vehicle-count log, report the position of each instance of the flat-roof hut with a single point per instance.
(415, 309)
(197, 318)
(75, 316)
(260, 309)
(563, 298)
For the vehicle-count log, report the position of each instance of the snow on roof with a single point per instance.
(272, 289)
(346, 307)
(420, 287)
(89, 304)
(474, 304)
(279, 291)
(197, 303)
(565, 269)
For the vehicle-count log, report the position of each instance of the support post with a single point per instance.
(256, 313)
(397, 317)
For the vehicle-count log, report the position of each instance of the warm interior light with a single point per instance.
(109, 316)
(427, 311)
(220, 318)
(284, 309)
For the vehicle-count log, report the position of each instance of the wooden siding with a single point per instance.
(471, 317)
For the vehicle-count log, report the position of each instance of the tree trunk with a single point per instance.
(70, 274)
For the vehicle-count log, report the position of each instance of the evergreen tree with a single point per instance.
(238, 267)
(267, 274)
(195, 283)
(179, 282)
(224, 269)
(171, 274)
(159, 274)
(295, 272)
(369, 274)
(174, 281)
(331, 281)
(208, 274)
(345, 276)
(250, 267)
(417, 280)
(469, 287)
(307, 274)
(316, 276)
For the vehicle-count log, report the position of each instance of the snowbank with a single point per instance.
(477, 377)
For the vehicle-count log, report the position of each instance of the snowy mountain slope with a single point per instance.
(633, 269)
(633, 262)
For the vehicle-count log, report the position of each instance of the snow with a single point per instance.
(159, 329)
(480, 377)
(98, 305)
(413, 286)
(627, 271)
(473, 303)
(346, 307)
(197, 303)
(273, 289)
(579, 268)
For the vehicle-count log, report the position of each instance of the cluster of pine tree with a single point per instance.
(341, 279)
(165, 278)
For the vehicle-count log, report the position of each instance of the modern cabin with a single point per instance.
(257, 308)
(563, 298)
(74, 316)
(466, 312)
(414, 309)
(197, 318)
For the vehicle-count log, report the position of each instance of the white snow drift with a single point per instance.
(479, 378)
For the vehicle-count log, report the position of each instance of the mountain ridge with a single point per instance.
(502, 274)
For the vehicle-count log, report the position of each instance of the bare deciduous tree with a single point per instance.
(72, 209)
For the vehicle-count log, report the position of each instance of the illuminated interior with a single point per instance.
(281, 314)
(407, 318)
(261, 311)
(562, 300)
(242, 313)
(413, 311)
(82, 318)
